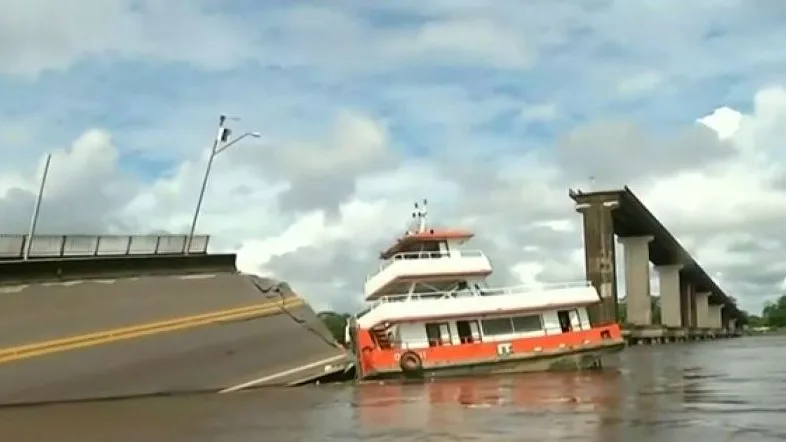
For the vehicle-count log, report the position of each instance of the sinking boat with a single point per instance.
(432, 314)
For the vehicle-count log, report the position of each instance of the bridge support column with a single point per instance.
(637, 279)
(599, 258)
(715, 320)
(687, 304)
(702, 310)
(670, 299)
(694, 315)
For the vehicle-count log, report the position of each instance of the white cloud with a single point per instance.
(539, 112)
(37, 35)
(368, 91)
(640, 83)
(711, 206)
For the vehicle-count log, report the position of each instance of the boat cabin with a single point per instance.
(431, 257)
(501, 328)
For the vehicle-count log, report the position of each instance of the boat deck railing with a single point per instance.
(452, 254)
(448, 295)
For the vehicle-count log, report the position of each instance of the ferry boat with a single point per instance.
(432, 314)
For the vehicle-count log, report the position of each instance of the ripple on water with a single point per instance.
(715, 391)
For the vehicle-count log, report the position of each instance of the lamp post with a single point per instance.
(220, 144)
(36, 208)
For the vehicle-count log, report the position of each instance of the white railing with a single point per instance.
(523, 289)
(513, 290)
(453, 254)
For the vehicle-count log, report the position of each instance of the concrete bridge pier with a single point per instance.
(599, 257)
(637, 279)
(688, 301)
(715, 316)
(702, 310)
(670, 296)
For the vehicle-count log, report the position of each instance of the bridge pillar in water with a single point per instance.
(670, 295)
(688, 303)
(702, 310)
(715, 316)
(637, 279)
(599, 257)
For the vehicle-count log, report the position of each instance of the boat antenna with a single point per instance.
(414, 221)
(422, 215)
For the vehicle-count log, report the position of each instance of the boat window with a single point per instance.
(497, 326)
(430, 249)
(443, 247)
(527, 323)
(438, 333)
(564, 321)
(468, 331)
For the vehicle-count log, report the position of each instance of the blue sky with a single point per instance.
(373, 96)
(283, 82)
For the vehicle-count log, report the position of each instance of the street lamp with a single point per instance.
(220, 144)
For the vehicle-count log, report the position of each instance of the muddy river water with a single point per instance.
(711, 391)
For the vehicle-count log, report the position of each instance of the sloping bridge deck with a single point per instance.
(632, 218)
(280, 342)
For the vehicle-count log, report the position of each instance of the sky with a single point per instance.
(491, 112)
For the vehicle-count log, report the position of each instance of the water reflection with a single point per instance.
(576, 404)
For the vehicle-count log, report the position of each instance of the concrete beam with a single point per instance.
(599, 258)
(702, 309)
(670, 299)
(637, 279)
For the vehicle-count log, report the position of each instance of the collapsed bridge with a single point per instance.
(104, 316)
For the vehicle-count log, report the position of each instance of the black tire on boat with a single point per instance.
(411, 363)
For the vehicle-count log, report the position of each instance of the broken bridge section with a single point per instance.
(97, 322)
(691, 303)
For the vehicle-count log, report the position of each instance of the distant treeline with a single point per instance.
(773, 315)
(336, 323)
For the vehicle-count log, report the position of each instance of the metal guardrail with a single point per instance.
(454, 254)
(72, 246)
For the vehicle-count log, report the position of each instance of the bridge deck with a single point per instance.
(199, 339)
(632, 218)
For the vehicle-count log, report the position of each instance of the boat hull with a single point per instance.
(598, 357)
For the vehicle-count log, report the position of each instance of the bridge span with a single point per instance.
(90, 317)
(692, 304)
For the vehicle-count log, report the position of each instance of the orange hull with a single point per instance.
(573, 350)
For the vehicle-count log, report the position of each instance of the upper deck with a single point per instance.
(476, 303)
(426, 254)
(437, 268)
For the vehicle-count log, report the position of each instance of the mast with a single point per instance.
(419, 223)
(423, 214)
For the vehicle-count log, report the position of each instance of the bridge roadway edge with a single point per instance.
(43, 299)
(620, 212)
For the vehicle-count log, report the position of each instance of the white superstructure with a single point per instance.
(426, 275)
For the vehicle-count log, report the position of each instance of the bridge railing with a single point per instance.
(12, 246)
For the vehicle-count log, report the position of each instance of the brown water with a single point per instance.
(714, 391)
